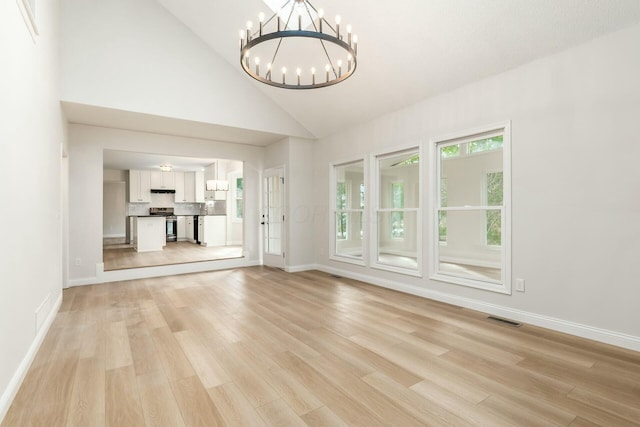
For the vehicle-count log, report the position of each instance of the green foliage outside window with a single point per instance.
(494, 198)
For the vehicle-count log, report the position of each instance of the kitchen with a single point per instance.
(162, 210)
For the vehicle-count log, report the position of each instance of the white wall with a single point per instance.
(86, 145)
(114, 211)
(31, 137)
(576, 228)
(133, 55)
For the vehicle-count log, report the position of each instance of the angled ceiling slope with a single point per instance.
(135, 57)
(412, 50)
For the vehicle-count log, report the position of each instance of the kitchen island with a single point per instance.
(149, 233)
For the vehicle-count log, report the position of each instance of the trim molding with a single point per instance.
(606, 336)
(161, 270)
(300, 268)
(16, 380)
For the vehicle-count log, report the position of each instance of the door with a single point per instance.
(273, 218)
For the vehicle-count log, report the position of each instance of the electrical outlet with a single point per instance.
(78, 261)
(520, 285)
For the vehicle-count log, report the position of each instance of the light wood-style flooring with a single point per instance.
(257, 346)
(118, 258)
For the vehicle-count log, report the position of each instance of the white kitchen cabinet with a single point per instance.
(139, 186)
(180, 196)
(212, 230)
(163, 180)
(182, 228)
(190, 230)
(198, 185)
(189, 187)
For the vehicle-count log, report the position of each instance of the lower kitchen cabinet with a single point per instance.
(212, 230)
(182, 228)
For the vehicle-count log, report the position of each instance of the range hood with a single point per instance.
(162, 191)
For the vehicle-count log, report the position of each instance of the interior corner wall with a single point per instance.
(86, 147)
(575, 180)
(31, 139)
(135, 56)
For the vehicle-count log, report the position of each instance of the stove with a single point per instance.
(172, 222)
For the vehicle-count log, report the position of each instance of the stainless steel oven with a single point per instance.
(171, 227)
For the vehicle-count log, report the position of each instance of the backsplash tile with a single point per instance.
(164, 200)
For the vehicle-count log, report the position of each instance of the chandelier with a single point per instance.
(298, 35)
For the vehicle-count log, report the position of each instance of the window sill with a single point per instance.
(501, 288)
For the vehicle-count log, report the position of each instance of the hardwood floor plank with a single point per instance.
(88, 396)
(209, 371)
(278, 413)
(122, 398)
(175, 363)
(234, 407)
(195, 404)
(322, 417)
(159, 405)
(118, 350)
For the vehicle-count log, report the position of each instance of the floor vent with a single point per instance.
(335, 276)
(505, 321)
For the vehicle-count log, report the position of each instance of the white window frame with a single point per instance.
(333, 211)
(504, 285)
(374, 209)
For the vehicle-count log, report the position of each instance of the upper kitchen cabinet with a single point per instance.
(163, 180)
(139, 186)
(189, 187)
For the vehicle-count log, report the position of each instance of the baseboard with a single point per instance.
(299, 268)
(112, 236)
(630, 342)
(16, 381)
(162, 270)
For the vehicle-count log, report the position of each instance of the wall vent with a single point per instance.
(505, 321)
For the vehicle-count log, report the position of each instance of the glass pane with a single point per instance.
(450, 151)
(468, 252)
(466, 179)
(349, 180)
(486, 144)
(399, 181)
(349, 232)
(398, 238)
(273, 216)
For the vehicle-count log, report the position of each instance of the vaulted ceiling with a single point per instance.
(413, 49)
(172, 66)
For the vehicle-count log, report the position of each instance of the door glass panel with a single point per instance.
(273, 215)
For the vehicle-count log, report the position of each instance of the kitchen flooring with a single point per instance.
(116, 257)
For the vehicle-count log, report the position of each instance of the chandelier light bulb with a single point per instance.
(298, 71)
(284, 70)
(338, 19)
(349, 28)
(313, 70)
(261, 17)
(320, 13)
(241, 34)
(339, 62)
(257, 61)
(249, 25)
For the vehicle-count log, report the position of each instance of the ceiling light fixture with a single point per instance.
(166, 168)
(299, 20)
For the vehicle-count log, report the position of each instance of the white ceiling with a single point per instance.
(124, 160)
(413, 49)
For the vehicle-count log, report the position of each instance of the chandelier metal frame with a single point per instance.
(333, 71)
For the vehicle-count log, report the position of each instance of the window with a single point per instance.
(239, 199)
(493, 221)
(397, 241)
(471, 216)
(341, 205)
(348, 193)
(397, 218)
